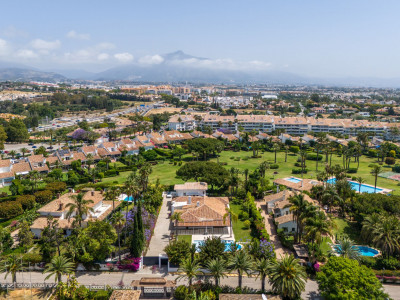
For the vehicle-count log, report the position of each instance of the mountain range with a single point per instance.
(180, 67)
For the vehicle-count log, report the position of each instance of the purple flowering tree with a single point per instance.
(149, 222)
(79, 134)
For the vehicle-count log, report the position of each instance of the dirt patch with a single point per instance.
(23, 294)
(164, 109)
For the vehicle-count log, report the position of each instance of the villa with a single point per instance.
(296, 184)
(58, 209)
(191, 189)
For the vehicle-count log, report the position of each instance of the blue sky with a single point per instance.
(314, 38)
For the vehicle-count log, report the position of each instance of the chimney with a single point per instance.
(198, 203)
(58, 195)
(92, 192)
(190, 200)
(101, 192)
(61, 207)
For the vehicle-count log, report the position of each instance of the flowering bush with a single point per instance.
(131, 264)
(79, 134)
(316, 267)
(110, 266)
(149, 222)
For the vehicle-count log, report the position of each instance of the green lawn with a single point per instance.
(238, 227)
(187, 238)
(345, 227)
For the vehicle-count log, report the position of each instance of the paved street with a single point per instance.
(114, 278)
(161, 234)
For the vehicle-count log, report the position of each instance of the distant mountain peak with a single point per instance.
(179, 55)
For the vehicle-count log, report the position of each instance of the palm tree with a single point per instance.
(299, 206)
(276, 148)
(376, 170)
(242, 263)
(190, 269)
(330, 196)
(287, 277)
(58, 266)
(11, 265)
(12, 153)
(111, 194)
(233, 217)
(80, 207)
(286, 152)
(89, 160)
(368, 226)
(34, 175)
(317, 226)
(345, 248)
(217, 268)
(262, 267)
(118, 221)
(386, 235)
(24, 151)
(360, 181)
(176, 217)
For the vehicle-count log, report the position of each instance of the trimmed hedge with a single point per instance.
(298, 171)
(26, 201)
(274, 166)
(43, 197)
(313, 156)
(352, 170)
(10, 209)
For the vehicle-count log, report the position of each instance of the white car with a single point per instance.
(169, 196)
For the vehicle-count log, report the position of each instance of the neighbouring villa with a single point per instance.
(58, 209)
(296, 184)
(191, 189)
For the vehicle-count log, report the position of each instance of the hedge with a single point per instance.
(298, 171)
(352, 170)
(396, 168)
(43, 197)
(390, 160)
(56, 187)
(11, 209)
(274, 166)
(313, 156)
(26, 201)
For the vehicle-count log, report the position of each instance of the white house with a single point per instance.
(191, 189)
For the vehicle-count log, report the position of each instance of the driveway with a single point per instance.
(160, 238)
(271, 229)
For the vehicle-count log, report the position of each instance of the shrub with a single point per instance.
(298, 171)
(56, 187)
(43, 197)
(243, 215)
(372, 153)
(294, 149)
(390, 263)
(274, 166)
(181, 292)
(33, 258)
(313, 156)
(82, 292)
(370, 262)
(11, 209)
(111, 173)
(3, 194)
(246, 224)
(352, 170)
(27, 201)
(102, 295)
(390, 160)
(396, 168)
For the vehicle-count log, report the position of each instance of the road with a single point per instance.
(114, 278)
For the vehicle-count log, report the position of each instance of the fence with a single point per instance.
(203, 231)
(146, 292)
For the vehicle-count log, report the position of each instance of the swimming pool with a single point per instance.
(293, 179)
(227, 243)
(363, 250)
(356, 187)
(129, 199)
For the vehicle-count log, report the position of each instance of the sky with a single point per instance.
(313, 38)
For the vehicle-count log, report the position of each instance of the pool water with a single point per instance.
(293, 179)
(363, 250)
(129, 199)
(356, 186)
(227, 243)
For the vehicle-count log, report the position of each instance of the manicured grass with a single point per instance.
(344, 227)
(325, 247)
(241, 234)
(187, 238)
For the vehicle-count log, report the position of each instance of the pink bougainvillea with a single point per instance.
(131, 264)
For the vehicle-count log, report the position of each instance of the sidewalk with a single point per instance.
(271, 229)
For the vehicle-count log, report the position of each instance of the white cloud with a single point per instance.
(105, 46)
(40, 44)
(12, 31)
(124, 57)
(151, 59)
(79, 36)
(26, 54)
(103, 56)
(4, 47)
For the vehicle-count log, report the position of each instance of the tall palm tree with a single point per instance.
(190, 269)
(299, 206)
(287, 277)
(242, 263)
(118, 221)
(176, 217)
(11, 265)
(35, 176)
(376, 170)
(89, 160)
(330, 196)
(386, 235)
(360, 181)
(233, 217)
(276, 148)
(79, 208)
(12, 153)
(369, 224)
(286, 152)
(111, 194)
(262, 267)
(217, 268)
(58, 266)
(345, 248)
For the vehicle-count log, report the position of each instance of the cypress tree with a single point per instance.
(135, 244)
(140, 225)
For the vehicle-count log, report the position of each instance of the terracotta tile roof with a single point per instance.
(5, 163)
(109, 145)
(22, 167)
(279, 196)
(102, 152)
(52, 159)
(247, 297)
(89, 149)
(43, 168)
(41, 223)
(36, 158)
(7, 175)
(58, 205)
(144, 140)
(125, 295)
(191, 186)
(307, 184)
(284, 219)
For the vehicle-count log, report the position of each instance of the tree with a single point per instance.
(58, 266)
(275, 148)
(360, 181)
(79, 208)
(176, 217)
(25, 235)
(3, 137)
(262, 267)
(24, 151)
(217, 268)
(177, 251)
(11, 265)
(375, 171)
(204, 146)
(386, 235)
(300, 207)
(16, 131)
(190, 269)
(343, 278)
(241, 262)
(346, 248)
(51, 238)
(211, 248)
(118, 221)
(287, 277)
(233, 218)
(6, 240)
(111, 194)
(318, 226)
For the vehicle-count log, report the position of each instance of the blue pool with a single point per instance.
(129, 199)
(355, 186)
(293, 179)
(363, 250)
(226, 242)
